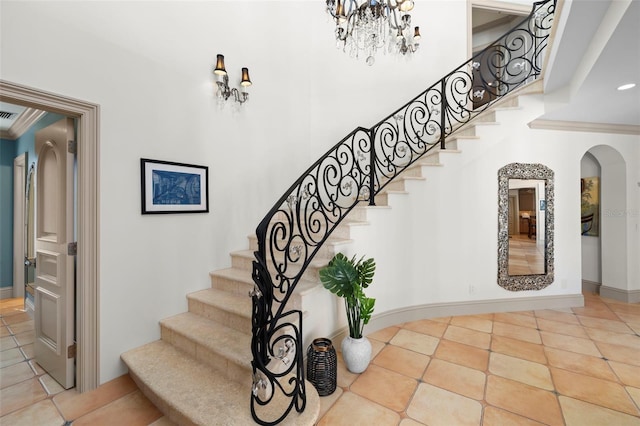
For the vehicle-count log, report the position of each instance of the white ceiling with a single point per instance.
(598, 50)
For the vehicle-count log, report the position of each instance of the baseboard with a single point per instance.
(6, 292)
(591, 287)
(474, 307)
(627, 296)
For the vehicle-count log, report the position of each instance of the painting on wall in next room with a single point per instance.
(590, 206)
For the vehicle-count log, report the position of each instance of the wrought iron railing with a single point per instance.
(355, 170)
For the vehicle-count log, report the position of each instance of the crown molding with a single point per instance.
(582, 126)
(24, 121)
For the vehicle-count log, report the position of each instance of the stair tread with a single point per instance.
(243, 275)
(463, 137)
(394, 191)
(192, 392)
(212, 335)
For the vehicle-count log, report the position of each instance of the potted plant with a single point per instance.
(347, 278)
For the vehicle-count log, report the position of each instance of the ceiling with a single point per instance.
(597, 49)
(8, 115)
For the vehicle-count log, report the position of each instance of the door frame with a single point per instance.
(19, 187)
(88, 219)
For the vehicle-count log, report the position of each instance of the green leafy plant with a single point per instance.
(347, 278)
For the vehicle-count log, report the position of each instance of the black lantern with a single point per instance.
(322, 366)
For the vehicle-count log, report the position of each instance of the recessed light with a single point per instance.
(627, 86)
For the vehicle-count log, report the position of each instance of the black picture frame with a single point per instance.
(169, 187)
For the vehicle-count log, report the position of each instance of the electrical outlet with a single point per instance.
(472, 289)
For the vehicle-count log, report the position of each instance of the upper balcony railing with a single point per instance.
(354, 170)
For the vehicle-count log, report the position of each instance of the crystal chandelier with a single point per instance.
(363, 27)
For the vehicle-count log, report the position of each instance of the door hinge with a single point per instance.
(72, 248)
(71, 351)
(72, 147)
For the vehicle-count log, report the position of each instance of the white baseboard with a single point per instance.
(6, 292)
(627, 296)
(475, 307)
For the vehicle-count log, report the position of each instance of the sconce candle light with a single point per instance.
(224, 91)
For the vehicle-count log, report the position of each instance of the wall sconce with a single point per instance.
(224, 91)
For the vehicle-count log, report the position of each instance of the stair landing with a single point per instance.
(191, 393)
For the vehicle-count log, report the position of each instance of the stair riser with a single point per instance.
(242, 262)
(469, 131)
(396, 185)
(343, 230)
(355, 214)
(382, 199)
(486, 117)
(242, 289)
(228, 368)
(327, 250)
(156, 400)
(214, 313)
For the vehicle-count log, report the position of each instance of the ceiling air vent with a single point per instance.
(7, 115)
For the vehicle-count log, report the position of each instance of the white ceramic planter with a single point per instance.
(356, 353)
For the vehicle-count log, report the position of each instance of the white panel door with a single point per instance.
(55, 270)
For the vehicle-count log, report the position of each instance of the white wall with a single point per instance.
(591, 251)
(148, 65)
(440, 242)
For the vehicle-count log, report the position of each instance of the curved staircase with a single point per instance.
(200, 370)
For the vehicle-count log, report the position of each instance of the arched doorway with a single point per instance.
(604, 255)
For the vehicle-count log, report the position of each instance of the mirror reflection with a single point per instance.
(525, 226)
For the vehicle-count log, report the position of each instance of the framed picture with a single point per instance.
(590, 206)
(169, 187)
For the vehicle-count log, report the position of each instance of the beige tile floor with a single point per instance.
(29, 396)
(577, 366)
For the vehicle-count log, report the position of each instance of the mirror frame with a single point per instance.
(523, 171)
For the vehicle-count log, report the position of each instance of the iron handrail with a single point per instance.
(356, 169)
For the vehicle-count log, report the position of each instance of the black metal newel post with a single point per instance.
(372, 168)
(443, 111)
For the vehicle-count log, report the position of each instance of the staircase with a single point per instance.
(200, 370)
(209, 358)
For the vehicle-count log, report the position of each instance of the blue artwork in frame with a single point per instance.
(169, 187)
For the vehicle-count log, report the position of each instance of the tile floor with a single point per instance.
(577, 366)
(29, 396)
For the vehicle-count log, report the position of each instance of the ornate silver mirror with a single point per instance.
(525, 226)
